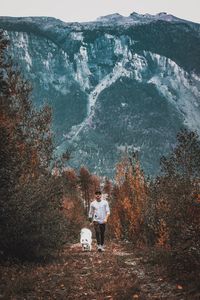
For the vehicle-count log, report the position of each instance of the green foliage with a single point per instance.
(185, 158)
(32, 224)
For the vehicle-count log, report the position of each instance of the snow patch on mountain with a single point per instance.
(127, 148)
(22, 42)
(83, 71)
(78, 36)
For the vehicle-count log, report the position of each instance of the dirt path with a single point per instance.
(117, 273)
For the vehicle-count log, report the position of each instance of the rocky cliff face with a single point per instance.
(120, 82)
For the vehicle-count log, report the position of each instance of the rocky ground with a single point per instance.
(120, 272)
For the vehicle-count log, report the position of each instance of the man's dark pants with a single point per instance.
(100, 232)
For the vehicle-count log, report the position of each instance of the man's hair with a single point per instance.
(98, 192)
(195, 195)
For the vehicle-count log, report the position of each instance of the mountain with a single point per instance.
(114, 84)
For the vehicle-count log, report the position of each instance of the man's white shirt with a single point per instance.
(99, 210)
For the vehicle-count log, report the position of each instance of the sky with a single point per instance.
(89, 10)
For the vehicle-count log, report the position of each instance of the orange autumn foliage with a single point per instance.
(162, 209)
(163, 234)
(130, 201)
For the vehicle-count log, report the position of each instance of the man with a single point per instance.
(194, 210)
(98, 215)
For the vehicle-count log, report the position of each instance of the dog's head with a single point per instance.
(84, 241)
(86, 246)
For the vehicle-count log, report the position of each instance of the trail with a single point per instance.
(119, 273)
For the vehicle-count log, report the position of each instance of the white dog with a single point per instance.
(86, 239)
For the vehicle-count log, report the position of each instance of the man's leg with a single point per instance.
(97, 232)
(102, 232)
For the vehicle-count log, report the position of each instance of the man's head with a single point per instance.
(98, 195)
(196, 197)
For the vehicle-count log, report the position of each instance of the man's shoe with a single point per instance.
(102, 248)
(99, 248)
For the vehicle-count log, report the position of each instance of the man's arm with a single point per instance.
(91, 213)
(106, 218)
(107, 212)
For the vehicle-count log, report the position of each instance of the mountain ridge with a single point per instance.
(95, 73)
